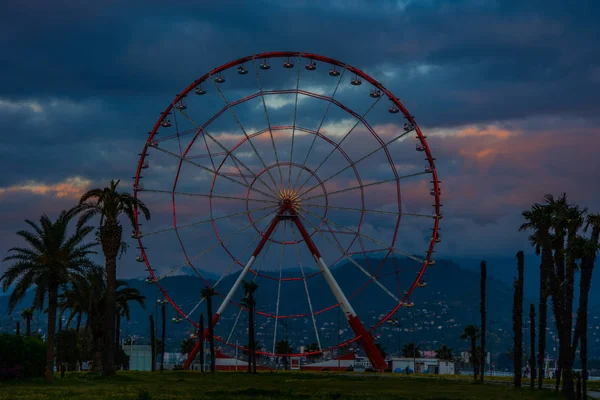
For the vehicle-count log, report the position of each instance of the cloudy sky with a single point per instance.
(506, 92)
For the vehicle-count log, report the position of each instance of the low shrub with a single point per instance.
(25, 353)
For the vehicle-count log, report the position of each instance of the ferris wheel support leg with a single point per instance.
(366, 341)
(232, 292)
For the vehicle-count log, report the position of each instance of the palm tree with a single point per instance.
(163, 314)
(201, 339)
(187, 345)
(27, 315)
(51, 260)
(539, 219)
(444, 353)
(152, 343)
(87, 295)
(589, 248)
(471, 333)
(532, 341)
(110, 205)
(283, 347)
(409, 350)
(250, 304)
(518, 319)
(208, 293)
(482, 311)
(125, 295)
(312, 348)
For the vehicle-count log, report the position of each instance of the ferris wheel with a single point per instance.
(286, 168)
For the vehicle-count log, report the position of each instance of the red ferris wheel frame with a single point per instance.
(362, 335)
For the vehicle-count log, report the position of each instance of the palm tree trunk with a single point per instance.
(152, 343)
(111, 241)
(118, 332)
(253, 326)
(18, 329)
(532, 341)
(201, 340)
(28, 326)
(52, 306)
(545, 268)
(211, 335)
(518, 319)
(483, 318)
(474, 358)
(250, 338)
(164, 330)
(78, 326)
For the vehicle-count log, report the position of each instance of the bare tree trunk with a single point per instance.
(52, 306)
(152, 343)
(532, 341)
(483, 319)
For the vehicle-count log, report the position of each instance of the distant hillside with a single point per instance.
(449, 302)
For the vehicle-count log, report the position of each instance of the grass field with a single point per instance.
(193, 385)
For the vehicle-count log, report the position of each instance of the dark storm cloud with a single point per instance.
(81, 84)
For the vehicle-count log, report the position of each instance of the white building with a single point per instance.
(140, 357)
(422, 365)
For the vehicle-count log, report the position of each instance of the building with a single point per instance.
(422, 365)
(140, 357)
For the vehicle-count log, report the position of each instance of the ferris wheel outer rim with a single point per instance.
(268, 55)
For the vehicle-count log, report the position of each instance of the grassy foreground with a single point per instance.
(283, 385)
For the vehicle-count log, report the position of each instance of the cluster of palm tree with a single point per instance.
(56, 263)
(559, 234)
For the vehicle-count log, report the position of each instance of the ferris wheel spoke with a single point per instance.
(364, 185)
(346, 256)
(211, 248)
(294, 124)
(312, 312)
(279, 284)
(328, 221)
(329, 102)
(215, 172)
(366, 210)
(338, 144)
(262, 96)
(205, 221)
(229, 153)
(354, 163)
(244, 131)
(213, 196)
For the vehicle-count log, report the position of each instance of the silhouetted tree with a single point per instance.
(444, 353)
(51, 260)
(250, 304)
(208, 294)
(532, 341)
(483, 317)
(163, 313)
(110, 204)
(471, 333)
(518, 320)
(201, 340)
(152, 343)
(539, 219)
